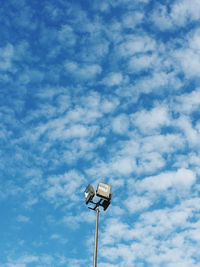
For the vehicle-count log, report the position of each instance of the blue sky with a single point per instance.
(100, 91)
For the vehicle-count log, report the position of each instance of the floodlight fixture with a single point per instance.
(103, 191)
(89, 193)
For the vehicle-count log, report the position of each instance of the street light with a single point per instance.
(103, 192)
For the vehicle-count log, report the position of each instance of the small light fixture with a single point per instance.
(103, 191)
(89, 193)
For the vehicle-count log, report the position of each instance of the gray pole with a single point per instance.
(96, 238)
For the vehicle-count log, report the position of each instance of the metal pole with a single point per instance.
(96, 238)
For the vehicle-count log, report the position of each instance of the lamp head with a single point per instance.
(103, 191)
(89, 193)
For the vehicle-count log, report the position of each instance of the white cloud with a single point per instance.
(151, 121)
(110, 105)
(149, 162)
(161, 18)
(185, 10)
(116, 210)
(190, 62)
(167, 143)
(188, 54)
(59, 238)
(113, 79)
(62, 187)
(130, 20)
(138, 44)
(182, 178)
(74, 221)
(83, 71)
(123, 165)
(70, 132)
(120, 124)
(22, 261)
(76, 131)
(40, 260)
(84, 116)
(106, 265)
(141, 62)
(137, 203)
(103, 6)
(22, 218)
(188, 102)
(191, 134)
(114, 231)
(155, 83)
(194, 40)
(180, 13)
(6, 55)
(67, 35)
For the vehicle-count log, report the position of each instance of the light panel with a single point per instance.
(89, 193)
(103, 191)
